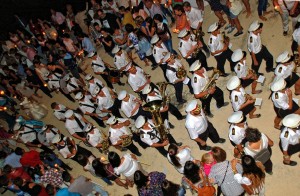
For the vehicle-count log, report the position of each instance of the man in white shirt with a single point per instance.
(159, 51)
(59, 111)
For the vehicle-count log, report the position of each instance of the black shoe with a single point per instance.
(206, 148)
(269, 172)
(179, 143)
(285, 33)
(260, 74)
(181, 118)
(138, 154)
(154, 67)
(171, 126)
(292, 163)
(221, 140)
(121, 84)
(238, 33)
(224, 74)
(182, 101)
(210, 115)
(225, 104)
(123, 149)
(209, 68)
(270, 70)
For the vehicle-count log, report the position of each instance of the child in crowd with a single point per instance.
(207, 161)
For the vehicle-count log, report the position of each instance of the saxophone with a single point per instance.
(162, 86)
(212, 82)
(197, 38)
(105, 143)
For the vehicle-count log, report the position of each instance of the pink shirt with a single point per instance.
(207, 167)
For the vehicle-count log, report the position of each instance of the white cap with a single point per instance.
(236, 117)
(213, 27)
(167, 57)
(69, 113)
(237, 55)
(278, 85)
(183, 33)
(154, 39)
(191, 106)
(88, 77)
(91, 54)
(17, 126)
(122, 94)
(283, 57)
(96, 90)
(88, 127)
(115, 49)
(291, 120)
(233, 83)
(44, 128)
(147, 89)
(112, 120)
(78, 96)
(195, 66)
(140, 121)
(67, 77)
(56, 139)
(254, 26)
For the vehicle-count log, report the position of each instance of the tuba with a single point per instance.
(105, 143)
(181, 73)
(162, 86)
(212, 82)
(154, 108)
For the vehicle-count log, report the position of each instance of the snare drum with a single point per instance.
(114, 76)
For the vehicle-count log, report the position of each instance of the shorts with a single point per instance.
(282, 113)
(290, 81)
(246, 82)
(246, 110)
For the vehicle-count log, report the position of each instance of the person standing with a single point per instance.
(257, 50)
(199, 128)
(159, 51)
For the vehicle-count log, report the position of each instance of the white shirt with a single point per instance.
(215, 43)
(96, 82)
(105, 102)
(236, 133)
(241, 70)
(284, 71)
(252, 152)
(194, 15)
(289, 137)
(198, 83)
(185, 46)
(122, 61)
(98, 65)
(60, 113)
(94, 138)
(115, 134)
(127, 107)
(51, 134)
(53, 81)
(65, 150)
(183, 156)
(159, 53)
(237, 98)
(72, 126)
(28, 134)
(280, 100)
(137, 80)
(296, 36)
(172, 74)
(157, 96)
(127, 167)
(254, 43)
(72, 84)
(196, 125)
(87, 105)
(150, 136)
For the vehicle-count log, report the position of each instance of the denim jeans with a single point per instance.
(169, 46)
(262, 6)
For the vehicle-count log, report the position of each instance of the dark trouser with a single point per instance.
(201, 57)
(142, 112)
(115, 108)
(68, 96)
(133, 149)
(171, 139)
(46, 91)
(221, 59)
(174, 111)
(43, 147)
(82, 151)
(268, 164)
(292, 149)
(106, 79)
(178, 90)
(164, 69)
(294, 47)
(166, 12)
(151, 58)
(210, 133)
(9, 119)
(262, 6)
(137, 139)
(218, 96)
(65, 166)
(264, 54)
(98, 120)
(162, 151)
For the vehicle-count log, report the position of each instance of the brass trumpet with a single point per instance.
(162, 86)
(181, 73)
(212, 82)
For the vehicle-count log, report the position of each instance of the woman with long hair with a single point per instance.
(126, 165)
(253, 177)
(171, 189)
(178, 156)
(106, 173)
(150, 184)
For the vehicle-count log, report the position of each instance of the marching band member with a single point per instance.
(238, 125)
(75, 124)
(121, 59)
(137, 79)
(93, 82)
(290, 138)
(159, 52)
(150, 135)
(178, 156)
(189, 48)
(199, 82)
(72, 85)
(106, 100)
(199, 128)
(94, 136)
(131, 106)
(246, 76)
(50, 132)
(286, 70)
(59, 111)
(258, 51)
(87, 107)
(283, 101)
(239, 99)
(296, 39)
(119, 135)
(220, 48)
(173, 65)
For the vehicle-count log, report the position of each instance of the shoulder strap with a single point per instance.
(191, 184)
(225, 174)
(285, 5)
(171, 68)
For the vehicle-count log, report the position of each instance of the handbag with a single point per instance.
(296, 12)
(206, 190)
(263, 156)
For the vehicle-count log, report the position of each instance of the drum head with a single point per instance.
(42, 138)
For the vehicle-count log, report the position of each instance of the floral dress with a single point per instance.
(154, 188)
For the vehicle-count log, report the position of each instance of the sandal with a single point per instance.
(255, 116)
(257, 92)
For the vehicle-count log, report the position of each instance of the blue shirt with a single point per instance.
(13, 160)
(66, 192)
(88, 45)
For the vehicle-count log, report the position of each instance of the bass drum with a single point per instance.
(114, 76)
(42, 138)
